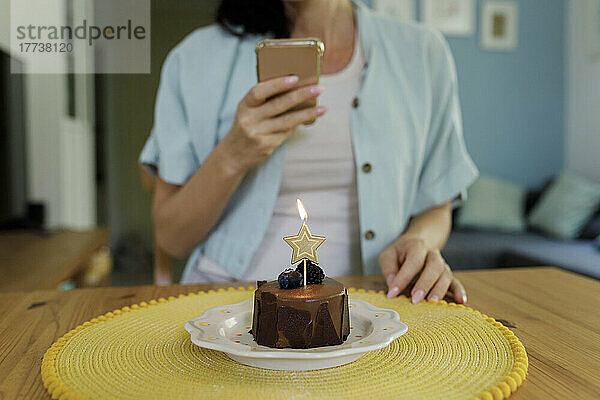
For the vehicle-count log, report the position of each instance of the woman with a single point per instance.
(377, 171)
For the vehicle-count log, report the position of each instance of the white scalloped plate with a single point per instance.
(225, 328)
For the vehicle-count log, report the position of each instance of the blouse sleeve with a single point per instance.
(447, 167)
(168, 150)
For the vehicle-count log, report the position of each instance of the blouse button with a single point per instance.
(355, 102)
(366, 168)
(369, 235)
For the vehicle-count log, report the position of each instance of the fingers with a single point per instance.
(435, 266)
(413, 263)
(460, 294)
(427, 267)
(263, 90)
(291, 119)
(388, 262)
(441, 286)
(274, 115)
(274, 139)
(283, 103)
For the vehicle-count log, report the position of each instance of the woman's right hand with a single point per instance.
(260, 126)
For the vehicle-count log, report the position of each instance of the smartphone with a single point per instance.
(281, 57)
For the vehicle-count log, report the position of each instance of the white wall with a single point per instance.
(4, 24)
(47, 178)
(42, 129)
(582, 139)
(43, 142)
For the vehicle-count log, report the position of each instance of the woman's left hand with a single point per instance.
(410, 257)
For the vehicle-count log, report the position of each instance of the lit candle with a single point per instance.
(303, 217)
(304, 245)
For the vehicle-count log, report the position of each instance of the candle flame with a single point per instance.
(301, 210)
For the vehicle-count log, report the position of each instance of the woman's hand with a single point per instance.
(261, 125)
(410, 258)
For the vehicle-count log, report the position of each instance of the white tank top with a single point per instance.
(319, 169)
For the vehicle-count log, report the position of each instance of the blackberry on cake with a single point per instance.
(315, 274)
(290, 279)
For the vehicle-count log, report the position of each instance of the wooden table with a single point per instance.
(42, 260)
(555, 313)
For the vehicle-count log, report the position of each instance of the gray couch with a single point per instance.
(467, 249)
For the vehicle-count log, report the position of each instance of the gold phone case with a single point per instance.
(301, 57)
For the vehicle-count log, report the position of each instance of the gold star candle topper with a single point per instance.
(304, 245)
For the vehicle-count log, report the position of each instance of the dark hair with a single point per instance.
(243, 17)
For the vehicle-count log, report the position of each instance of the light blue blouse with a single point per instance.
(406, 124)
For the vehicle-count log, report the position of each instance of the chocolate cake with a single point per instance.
(314, 315)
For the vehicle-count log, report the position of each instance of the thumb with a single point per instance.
(388, 262)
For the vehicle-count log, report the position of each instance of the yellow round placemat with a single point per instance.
(143, 352)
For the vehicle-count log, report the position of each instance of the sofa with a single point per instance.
(468, 249)
(502, 224)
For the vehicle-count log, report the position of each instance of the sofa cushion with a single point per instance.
(493, 204)
(566, 206)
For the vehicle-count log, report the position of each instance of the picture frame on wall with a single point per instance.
(403, 10)
(593, 29)
(451, 17)
(499, 25)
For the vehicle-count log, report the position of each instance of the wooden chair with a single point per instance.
(162, 261)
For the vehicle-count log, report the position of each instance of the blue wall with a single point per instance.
(513, 101)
